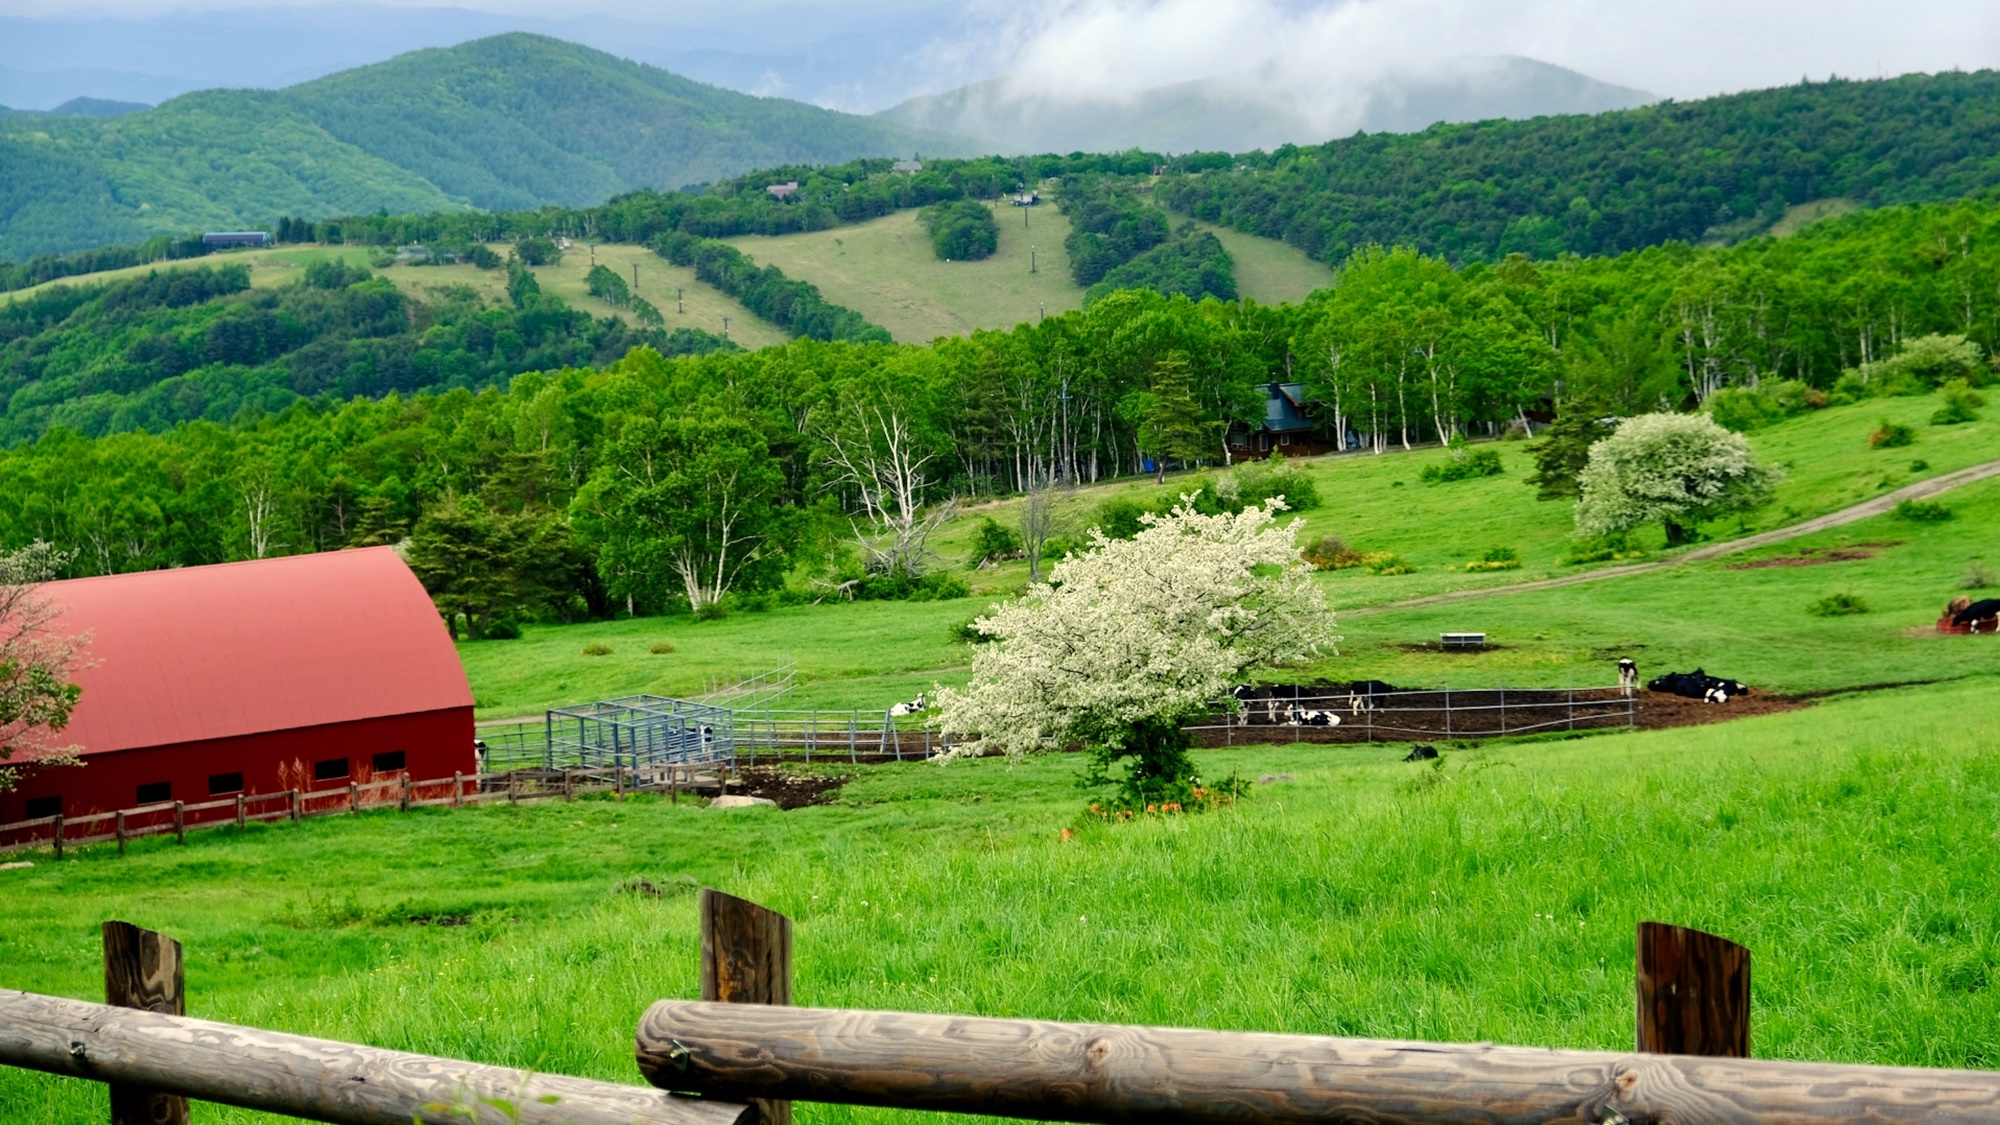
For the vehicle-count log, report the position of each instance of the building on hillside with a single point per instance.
(253, 677)
(223, 238)
(1027, 198)
(784, 190)
(1290, 426)
(907, 167)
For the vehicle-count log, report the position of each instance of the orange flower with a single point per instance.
(1067, 834)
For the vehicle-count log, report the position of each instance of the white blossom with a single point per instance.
(1677, 468)
(1156, 627)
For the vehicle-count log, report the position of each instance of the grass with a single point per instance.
(1268, 271)
(704, 305)
(884, 270)
(1750, 624)
(1493, 898)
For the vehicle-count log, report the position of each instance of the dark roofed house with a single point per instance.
(1289, 425)
(236, 238)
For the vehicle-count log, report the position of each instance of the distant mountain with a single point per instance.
(1237, 114)
(514, 121)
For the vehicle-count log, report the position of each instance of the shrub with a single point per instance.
(1979, 576)
(1961, 404)
(936, 586)
(1386, 563)
(1259, 481)
(596, 649)
(1923, 511)
(661, 648)
(753, 601)
(1463, 465)
(1056, 546)
(1838, 605)
(962, 231)
(1330, 553)
(538, 251)
(994, 542)
(1890, 435)
(1744, 409)
(711, 611)
(1920, 466)
(1118, 518)
(1602, 548)
(1496, 558)
(501, 629)
(967, 633)
(482, 255)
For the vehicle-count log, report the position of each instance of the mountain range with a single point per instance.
(513, 121)
(1244, 112)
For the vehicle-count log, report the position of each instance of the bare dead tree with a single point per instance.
(1038, 526)
(36, 663)
(873, 450)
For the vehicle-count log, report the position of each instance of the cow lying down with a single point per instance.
(1698, 685)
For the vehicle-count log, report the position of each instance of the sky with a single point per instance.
(1673, 48)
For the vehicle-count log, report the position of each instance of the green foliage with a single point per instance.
(485, 568)
(1923, 511)
(1745, 409)
(607, 286)
(1616, 547)
(1564, 448)
(1678, 172)
(1384, 563)
(1838, 605)
(1496, 558)
(1173, 425)
(1979, 576)
(994, 541)
(538, 250)
(596, 649)
(1464, 464)
(1251, 484)
(1109, 226)
(1891, 435)
(961, 231)
(1192, 264)
(794, 306)
(1678, 469)
(1961, 405)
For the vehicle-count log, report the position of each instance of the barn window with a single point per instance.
(390, 762)
(156, 792)
(1285, 439)
(39, 807)
(330, 769)
(225, 783)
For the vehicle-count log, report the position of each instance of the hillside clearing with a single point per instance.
(1492, 898)
(884, 269)
(1268, 271)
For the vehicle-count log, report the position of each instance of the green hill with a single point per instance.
(1726, 167)
(514, 121)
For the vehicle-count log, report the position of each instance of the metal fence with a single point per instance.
(1407, 716)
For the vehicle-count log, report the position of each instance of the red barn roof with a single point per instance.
(272, 644)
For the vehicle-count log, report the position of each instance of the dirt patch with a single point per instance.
(440, 919)
(792, 790)
(1422, 715)
(1817, 556)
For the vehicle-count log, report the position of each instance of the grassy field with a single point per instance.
(1493, 898)
(1751, 624)
(884, 270)
(1268, 271)
(703, 306)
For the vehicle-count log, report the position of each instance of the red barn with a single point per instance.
(209, 681)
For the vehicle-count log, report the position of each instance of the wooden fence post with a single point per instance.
(59, 835)
(142, 970)
(241, 819)
(406, 792)
(1694, 993)
(746, 958)
(180, 822)
(457, 790)
(119, 821)
(569, 786)
(354, 798)
(297, 800)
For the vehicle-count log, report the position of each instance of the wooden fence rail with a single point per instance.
(399, 792)
(1116, 1074)
(315, 1079)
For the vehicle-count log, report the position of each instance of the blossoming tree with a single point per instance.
(36, 662)
(1130, 638)
(1679, 469)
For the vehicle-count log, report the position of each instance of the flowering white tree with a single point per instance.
(36, 662)
(1679, 469)
(1130, 638)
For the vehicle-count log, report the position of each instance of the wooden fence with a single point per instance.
(399, 791)
(747, 1055)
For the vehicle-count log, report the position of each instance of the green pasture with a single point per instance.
(269, 268)
(1492, 898)
(1268, 271)
(884, 269)
(1751, 624)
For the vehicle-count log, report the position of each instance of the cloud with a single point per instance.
(1319, 49)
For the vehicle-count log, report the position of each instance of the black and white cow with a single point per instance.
(913, 707)
(1698, 685)
(1308, 717)
(1422, 753)
(1628, 675)
(1363, 695)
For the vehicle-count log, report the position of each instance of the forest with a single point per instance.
(200, 343)
(653, 483)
